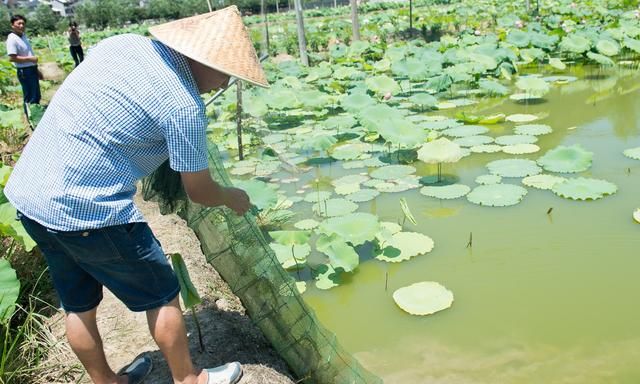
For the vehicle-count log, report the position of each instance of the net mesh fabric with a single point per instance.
(237, 249)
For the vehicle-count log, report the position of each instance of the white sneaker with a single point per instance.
(225, 374)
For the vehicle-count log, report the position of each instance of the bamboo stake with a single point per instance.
(239, 119)
(355, 24)
(302, 41)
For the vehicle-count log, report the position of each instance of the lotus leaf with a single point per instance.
(488, 179)
(424, 100)
(636, 215)
(566, 159)
(349, 179)
(327, 278)
(518, 38)
(424, 298)
(399, 185)
(452, 191)
(521, 118)
(363, 195)
(531, 54)
(557, 63)
(314, 197)
(534, 86)
(584, 188)
(492, 87)
(261, 194)
(375, 117)
(323, 70)
(633, 153)
(446, 105)
(600, 59)
(515, 139)
(341, 255)
(348, 151)
(513, 167)
(542, 181)
(575, 44)
(402, 132)
(357, 48)
(382, 85)
(520, 149)
(290, 237)
(542, 40)
(291, 257)
(355, 228)
(632, 44)
(382, 65)
(532, 129)
(301, 286)
(343, 122)
(334, 207)
(319, 142)
(439, 83)
(493, 119)
(410, 244)
(9, 290)
(306, 224)
(470, 141)
(356, 101)
(465, 130)
(608, 47)
(343, 73)
(438, 125)
(5, 171)
(347, 189)
(523, 97)
(497, 195)
(3, 198)
(486, 148)
(392, 172)
(440, 151)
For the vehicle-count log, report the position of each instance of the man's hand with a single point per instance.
(237, 200)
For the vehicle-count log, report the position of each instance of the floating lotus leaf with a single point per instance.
(600, 59)
(521, 118)
(399, 185)
(542, 40)
(382, 85)
(349, 179)
(261, 194)
(301, 286)
(584, 188)
(328, 278)
(533, 86)
(314, 197)
(320, 142)
(392, 172)
(347, 189)
(566, 159)
(636, 215)
(486, 148)
(608, 47)
(462, 102)
(402, 132)
(291, 257)
(557, 63)
(355, 228)
(306, 224)
(497, 195)
(518, 38)
(363, 195)
(290, 237)
(575, 44)
(523, 97)
(357, 101)
(424, 298)
(492, 87)
(446, 105)
(424, 100)
(348, 151)
(513, 167)
(341, 254)
(515, 139)
(438, 125)
(470, 141)
(341, 122)
(488, 179)
(493, 119)
(531, 54)
(410, 244)
(375, 117)
(632, 44)
(452, 191)
(542, 181)
(633, 153)
(520, 149)
(532, 129)
(465, 130)
(441, 150)
(560, 79)
(334, 207)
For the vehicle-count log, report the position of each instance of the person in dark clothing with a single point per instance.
(75, 46)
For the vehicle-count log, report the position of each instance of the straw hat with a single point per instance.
(218, 40)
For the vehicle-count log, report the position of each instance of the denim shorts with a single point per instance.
(127, 259)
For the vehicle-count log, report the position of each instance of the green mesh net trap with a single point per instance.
(237, 249)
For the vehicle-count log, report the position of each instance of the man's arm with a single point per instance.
(203, 190)
(23, 59)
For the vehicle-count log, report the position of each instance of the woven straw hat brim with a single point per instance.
(218, 40)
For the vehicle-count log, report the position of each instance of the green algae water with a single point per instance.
(548, 290)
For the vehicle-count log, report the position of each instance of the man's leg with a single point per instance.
(86, 343)
(166, 325)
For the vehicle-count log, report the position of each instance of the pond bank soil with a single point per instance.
(228, 332)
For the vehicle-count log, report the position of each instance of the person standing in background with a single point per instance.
(75, 46)
(26, 62)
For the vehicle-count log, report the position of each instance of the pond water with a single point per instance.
(539, 297)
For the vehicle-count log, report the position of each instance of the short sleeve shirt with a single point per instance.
(130, 106)
(19, 45)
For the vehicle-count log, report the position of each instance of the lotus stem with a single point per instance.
(439, 172)
(295, 261)
(386, 281)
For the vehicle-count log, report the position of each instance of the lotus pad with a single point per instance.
(497, 195)
(633, 153)
(355, 228)
(341, 255)
(348, 151)
(521, 118)
(306, 224)
(486, 148)
(291, 257)
(452, 191)
(513, 168)
(566, 159)
(533, 129)
(392, 172)
(520, 149)
(441, 150)
(471, 141)
(423, 298)
(515, 139)
(334, 207)
(363, 195)
(438, 125)
(542, 181)
(488, 179)
(465, 130)
(584, 189)
(410, 244)
(314, 197)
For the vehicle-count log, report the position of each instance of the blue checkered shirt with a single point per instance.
(130, 106)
